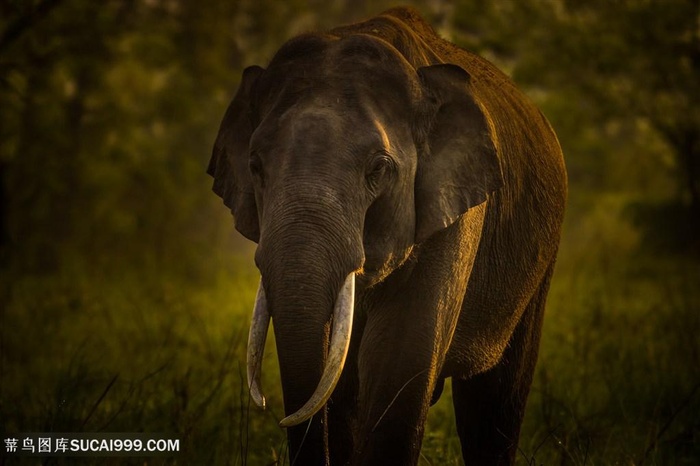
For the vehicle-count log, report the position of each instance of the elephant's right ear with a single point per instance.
(229, 160)
(459, 167)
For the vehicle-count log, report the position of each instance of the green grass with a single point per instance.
(152, 349)
(618, 380)
(129, 352)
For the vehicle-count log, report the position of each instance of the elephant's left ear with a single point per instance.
(458, 167)
(230, 157)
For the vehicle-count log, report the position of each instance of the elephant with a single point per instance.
(407, 202)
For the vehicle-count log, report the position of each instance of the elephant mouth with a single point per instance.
(342, 319)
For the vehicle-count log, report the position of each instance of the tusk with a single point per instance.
(256, 346)
(340, 342)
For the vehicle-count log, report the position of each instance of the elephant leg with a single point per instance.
(489, 407)
(397, 376)
(342, 406)
(340, 421)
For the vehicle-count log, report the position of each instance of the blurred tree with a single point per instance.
(633, 64)
(49, 72)
(108, 111)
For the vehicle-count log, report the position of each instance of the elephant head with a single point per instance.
(338, 160)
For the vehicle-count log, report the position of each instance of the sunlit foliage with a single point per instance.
(125, 293)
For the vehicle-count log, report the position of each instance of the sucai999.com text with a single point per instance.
(81, 444)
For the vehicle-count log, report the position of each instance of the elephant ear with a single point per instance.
(459, 166)
(229, 160)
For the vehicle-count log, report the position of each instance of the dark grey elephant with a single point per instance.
(407, 202)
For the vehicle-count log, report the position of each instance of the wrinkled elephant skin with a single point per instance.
(407, 201)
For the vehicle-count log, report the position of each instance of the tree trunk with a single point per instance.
(688, 152)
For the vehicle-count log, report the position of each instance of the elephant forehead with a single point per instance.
(326, 55)
(349, 69)
(326, 125)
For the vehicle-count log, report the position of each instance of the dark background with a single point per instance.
(125, 291)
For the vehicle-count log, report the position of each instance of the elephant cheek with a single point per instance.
(388, 238)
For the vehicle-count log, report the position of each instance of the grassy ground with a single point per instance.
(109, 347)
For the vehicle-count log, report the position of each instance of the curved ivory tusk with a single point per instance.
(340, 342)
(256, 346)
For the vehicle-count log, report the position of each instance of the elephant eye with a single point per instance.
(379, 168)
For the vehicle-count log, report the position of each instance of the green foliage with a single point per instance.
(618, 379)
(94, 351)
(630, 69)
(125, 294)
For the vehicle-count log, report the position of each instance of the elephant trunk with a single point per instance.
(308, 256)
(342, 319)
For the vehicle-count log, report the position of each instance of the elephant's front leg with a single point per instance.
(343, 403)
(410, 323)
(397, 374)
